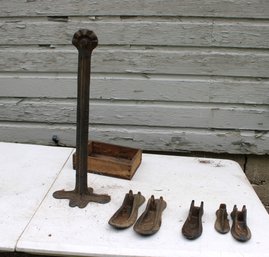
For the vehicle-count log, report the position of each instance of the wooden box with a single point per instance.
(112, 160)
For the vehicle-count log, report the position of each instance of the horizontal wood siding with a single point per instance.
(182, 61)
(141, 88)
(139, 114)
(167, 75)
(169, 139)
(134, 31)
(212, 8)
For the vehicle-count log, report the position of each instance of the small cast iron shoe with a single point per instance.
(192, 227)
(151, 219)
(240, 231)
(222, 222)
(127, 214)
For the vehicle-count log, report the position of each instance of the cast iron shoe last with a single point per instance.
(192, 227)
(127, 214)
(150, 220)
(222, 222)
(240, 230)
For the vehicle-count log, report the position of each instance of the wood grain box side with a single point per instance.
(112, 160)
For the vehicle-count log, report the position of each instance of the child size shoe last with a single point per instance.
(192, 227)
(240, 231)
(222, 223)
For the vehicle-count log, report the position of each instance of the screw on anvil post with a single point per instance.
(85, 41)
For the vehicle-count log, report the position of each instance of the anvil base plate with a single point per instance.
(81, 200)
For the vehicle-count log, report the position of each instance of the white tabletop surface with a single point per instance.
(26, 174)
(58, 229)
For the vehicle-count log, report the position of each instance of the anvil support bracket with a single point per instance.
(85, 41)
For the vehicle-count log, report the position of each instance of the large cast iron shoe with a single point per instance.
(127, 214)
(222, 223)
(240, 231)
(192, 227)
(151, 219)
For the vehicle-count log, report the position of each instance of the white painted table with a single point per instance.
(26, 174)
(58, 229)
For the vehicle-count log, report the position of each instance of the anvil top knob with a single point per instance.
(85, 39)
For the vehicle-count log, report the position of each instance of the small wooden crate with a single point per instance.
(112, 160)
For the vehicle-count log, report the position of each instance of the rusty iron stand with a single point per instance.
(85, 41)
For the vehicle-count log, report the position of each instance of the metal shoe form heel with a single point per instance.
(192, 227)
(222, 222)
(126, 215)
(240, 230)
(150, 220)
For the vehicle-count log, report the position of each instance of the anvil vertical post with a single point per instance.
(85, 41)
(85, 47)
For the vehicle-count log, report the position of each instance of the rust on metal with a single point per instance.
(222, 222)
(192, 227)
(85, 41)
(126, 215)
(240, 231)
(151, 219)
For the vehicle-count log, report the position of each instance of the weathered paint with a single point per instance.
(142, 31)
(155, 139)
(167, 75)
(140, 88)
(184, 61)
(211, 8)
(152, 114)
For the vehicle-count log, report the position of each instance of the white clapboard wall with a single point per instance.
(168, 75)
